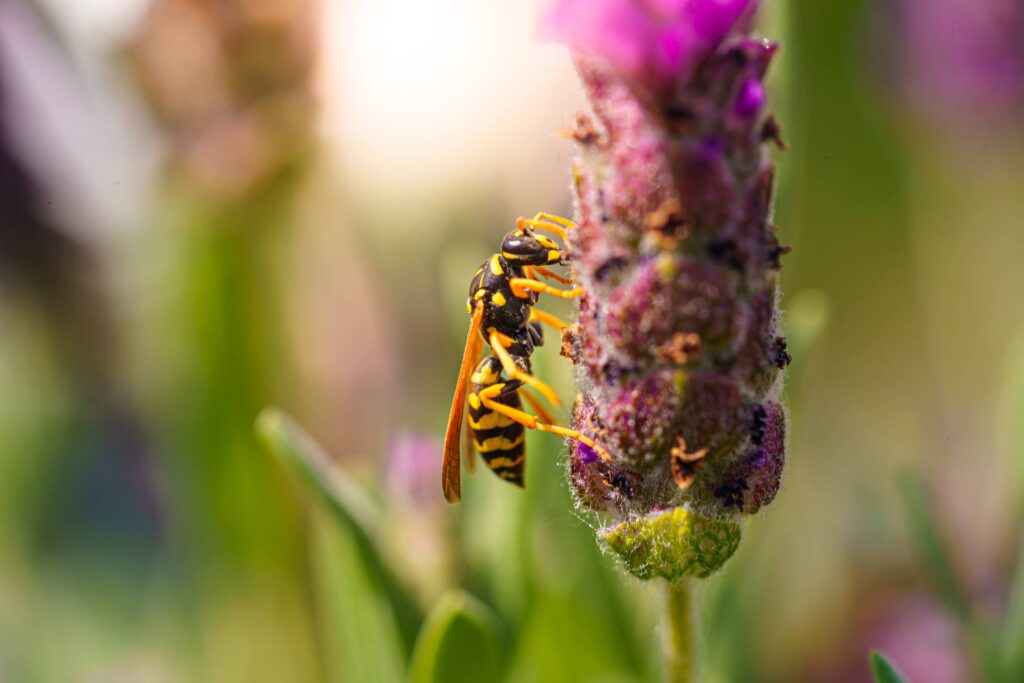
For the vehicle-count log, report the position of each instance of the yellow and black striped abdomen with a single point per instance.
(500, 440)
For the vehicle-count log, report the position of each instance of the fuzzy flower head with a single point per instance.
(679, 358)
(649, 39)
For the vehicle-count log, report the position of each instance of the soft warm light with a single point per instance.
(418, 96)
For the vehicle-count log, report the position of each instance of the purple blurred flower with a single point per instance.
(914, 633)
(410, 471)
(678, 352)
(922, 640)
(655, 39)
(961, 57)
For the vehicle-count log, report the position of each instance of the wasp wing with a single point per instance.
(451, 481)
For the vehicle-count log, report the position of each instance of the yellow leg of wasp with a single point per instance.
(565, 222)
(514, 372)
(522, 224)
(556, 225)
(542, 412)
(519, 284)
(505, 340)
(530, 270)
(548, 319)
(550, 222)
(530, 421)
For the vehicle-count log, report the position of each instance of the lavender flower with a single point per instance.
(678, 354)
(961, 58)
(410, 472)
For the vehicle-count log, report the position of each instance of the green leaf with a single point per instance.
(361, 639)
(883, 670)
(459, 642)
(933, 553)
(1013, 627)
(350, 506)
(1011, 419)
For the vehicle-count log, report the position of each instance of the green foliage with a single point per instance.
(459, 642)
(1012, 637)
(361, 638)
(350, 507)
(930, 547)
(883, 670)
(673, 544)
(993, 663)
(563, 604)
(1013, 627)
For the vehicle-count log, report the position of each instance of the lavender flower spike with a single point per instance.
(678, 354)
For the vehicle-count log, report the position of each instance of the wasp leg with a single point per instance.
(564, 222)
(522, 224)
(535, 403)
(531, 421)
(548, 319)
(554, 276)
(535, 332)
(514, 372)
(519, 285)
(550, 222)
(505, 340)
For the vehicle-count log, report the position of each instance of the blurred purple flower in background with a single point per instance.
(416, 537)
(912, 630)
(678, 354)
(961, 58)
(410, 471)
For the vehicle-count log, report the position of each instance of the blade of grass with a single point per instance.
(1012, 637)
(1012, 421)
(936, 560)
(361, 639)
(350, 506)
(931, 549)
(883, 670)
(459, 642)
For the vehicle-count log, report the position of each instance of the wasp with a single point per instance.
(503, 294)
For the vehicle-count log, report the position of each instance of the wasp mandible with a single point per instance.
(502, 306)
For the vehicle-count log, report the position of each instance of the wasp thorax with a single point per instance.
(527, 248)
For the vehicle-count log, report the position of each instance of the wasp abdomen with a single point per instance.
(499, 439)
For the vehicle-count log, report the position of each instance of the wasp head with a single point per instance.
(524, 247)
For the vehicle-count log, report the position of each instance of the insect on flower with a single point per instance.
(502, 306)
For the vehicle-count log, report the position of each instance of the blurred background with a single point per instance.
(208, 206)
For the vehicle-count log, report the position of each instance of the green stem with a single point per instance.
(680, 652)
